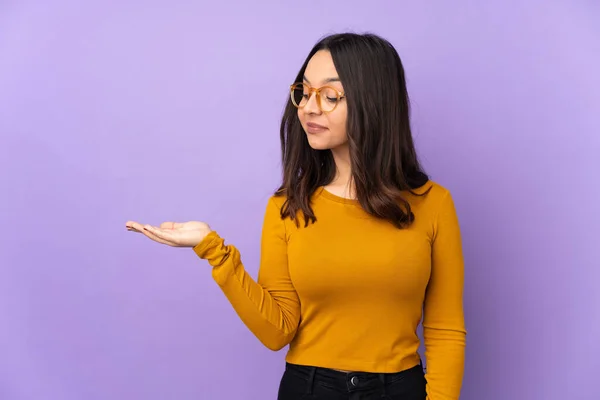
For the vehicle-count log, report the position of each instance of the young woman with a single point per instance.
(358, 244)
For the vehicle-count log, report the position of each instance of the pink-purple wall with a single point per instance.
(162, 110)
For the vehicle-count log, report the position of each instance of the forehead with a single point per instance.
(320, 68)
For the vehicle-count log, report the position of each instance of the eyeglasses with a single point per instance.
(327, 97)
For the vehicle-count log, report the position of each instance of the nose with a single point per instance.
(312, 107)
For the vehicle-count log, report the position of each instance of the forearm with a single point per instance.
(271, 313)
(445, 356)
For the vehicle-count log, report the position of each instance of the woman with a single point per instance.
(356, 242)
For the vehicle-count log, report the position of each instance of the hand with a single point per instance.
(176, 234)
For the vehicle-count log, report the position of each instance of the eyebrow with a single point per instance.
(328, 80)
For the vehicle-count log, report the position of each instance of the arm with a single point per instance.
(443, 324)
(269, 307)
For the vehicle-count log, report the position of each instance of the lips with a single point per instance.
(316, 126)
(311, 127)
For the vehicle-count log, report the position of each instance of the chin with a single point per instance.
(316, 144)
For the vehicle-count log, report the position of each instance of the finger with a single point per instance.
(134, 226)
(148, 233)
(164, 234)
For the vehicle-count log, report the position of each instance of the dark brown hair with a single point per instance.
(383, 157)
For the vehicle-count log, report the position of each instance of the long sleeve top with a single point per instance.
(349, 291)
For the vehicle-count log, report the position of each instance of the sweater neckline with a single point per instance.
(334, 197)
(322, 192)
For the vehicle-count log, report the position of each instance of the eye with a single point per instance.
(329, 95)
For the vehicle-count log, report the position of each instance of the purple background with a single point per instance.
(161, 110)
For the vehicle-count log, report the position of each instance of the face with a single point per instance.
(324, 130)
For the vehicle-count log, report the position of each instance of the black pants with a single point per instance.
(303, 382)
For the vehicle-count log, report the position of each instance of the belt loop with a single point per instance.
(311, 380)
(383, 391)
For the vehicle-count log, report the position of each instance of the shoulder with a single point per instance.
(433, 191)
(442, 205)
(437, 190)
(272, 219)
(277, 200)
(275, 203)
(431, 199)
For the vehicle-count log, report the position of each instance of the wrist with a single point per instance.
(203, 235)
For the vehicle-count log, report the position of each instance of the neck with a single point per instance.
(343, 176)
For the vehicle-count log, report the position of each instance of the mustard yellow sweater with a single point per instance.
(349, 291)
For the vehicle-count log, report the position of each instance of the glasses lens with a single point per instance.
(329, 99)
(299, 95)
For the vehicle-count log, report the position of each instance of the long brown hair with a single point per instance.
(384, 161)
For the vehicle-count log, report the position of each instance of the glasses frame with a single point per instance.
(311, 90)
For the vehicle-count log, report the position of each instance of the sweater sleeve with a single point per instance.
(443, 323)
(268, 306)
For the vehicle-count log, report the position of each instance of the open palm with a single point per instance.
(176, 234)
